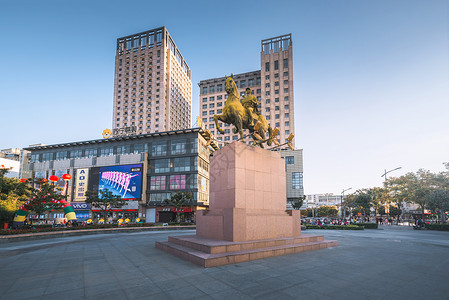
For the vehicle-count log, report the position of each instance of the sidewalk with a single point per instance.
(74, 232)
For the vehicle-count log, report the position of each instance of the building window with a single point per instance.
(34, 158)
(204, 99)
(289, 160)
(162, 165)
(242, 83)
(287, 123)
(177, 182)
(124, 149)
(204, 106)
(159, 149)
(157, 183)
(286, 98)
(211, 112)
(276, 65)
(219, 88)
(285, 74)
(139, 148)
(61, 155)
(286, 90)
(178, 147)
(90, 152)
(285, 63)
(297, 180)
(267, 67)
(47, 156)
(77, 153)
(212, 89)
(106, 151)
(204, 90)
(212, 105)
(181, 164)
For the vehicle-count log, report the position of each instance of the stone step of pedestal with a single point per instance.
(219, 259)
(212, 246)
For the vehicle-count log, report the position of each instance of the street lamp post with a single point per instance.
(343, 212)
(385, 175)
(386, 172)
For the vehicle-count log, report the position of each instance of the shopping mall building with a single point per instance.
(143, 169)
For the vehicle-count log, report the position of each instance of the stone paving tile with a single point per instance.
(71, 294)
(189, 292)
(384, 264)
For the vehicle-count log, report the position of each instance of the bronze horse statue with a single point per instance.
(234, 113)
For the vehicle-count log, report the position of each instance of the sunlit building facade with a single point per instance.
(152, 84)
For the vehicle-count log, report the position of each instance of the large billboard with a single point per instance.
(124, 181)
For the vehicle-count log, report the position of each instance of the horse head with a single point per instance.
(231, 87)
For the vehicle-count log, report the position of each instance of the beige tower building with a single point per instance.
(152, 86)
(272, 85)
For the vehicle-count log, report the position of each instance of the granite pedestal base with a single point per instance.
(213, 253)
(247, 217)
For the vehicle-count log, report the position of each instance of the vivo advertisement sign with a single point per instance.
(80, 206)
(124, 181)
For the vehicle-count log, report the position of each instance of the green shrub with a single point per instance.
(367, 225)
(441, 227)
(336, 227)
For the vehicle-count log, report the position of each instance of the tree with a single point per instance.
(298, 202)
(13, 194)
(377, 197)
(104, 200)
(180, 200)
(327, 211)
(439, 203)
(413, 187)
(42, 197)
(362, 201)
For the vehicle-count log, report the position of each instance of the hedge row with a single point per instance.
(441, 227)
(367, 225)
(47, 228)
(339, 227)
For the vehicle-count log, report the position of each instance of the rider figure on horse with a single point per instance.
(251, 104)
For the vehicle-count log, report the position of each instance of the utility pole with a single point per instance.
(343, 211)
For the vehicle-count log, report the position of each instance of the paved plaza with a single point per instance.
(388, 263)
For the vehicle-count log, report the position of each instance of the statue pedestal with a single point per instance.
(247, 217)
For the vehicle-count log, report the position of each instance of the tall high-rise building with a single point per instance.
(272, 85)
(152, 86)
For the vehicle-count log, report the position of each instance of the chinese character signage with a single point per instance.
(125, 131)
(82, 175)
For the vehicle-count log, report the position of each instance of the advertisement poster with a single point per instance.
(82, 175)
(124, 181)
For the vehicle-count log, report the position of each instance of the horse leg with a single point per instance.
(239, 127)
(216, 119)
(270, 134)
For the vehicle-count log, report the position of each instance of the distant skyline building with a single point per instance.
(272, 85)
(152, 84)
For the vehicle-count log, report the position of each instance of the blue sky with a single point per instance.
(370, 77)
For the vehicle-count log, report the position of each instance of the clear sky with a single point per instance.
(371, 78)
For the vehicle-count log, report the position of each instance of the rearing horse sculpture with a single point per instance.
(234, 113)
